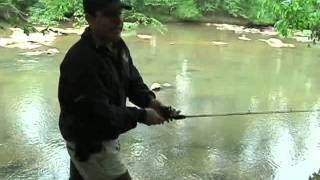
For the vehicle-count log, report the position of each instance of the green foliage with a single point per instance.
(287, 15)
(181, 9)
(10, 11)
(253, 10)
(137, 18)
(315, 176)
(297, 15)
(50, 12)
(161, 3)
(207, 5)
(187, 10)
(23, 5)
(234, 7)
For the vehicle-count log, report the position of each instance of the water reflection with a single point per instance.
(31, 146)
(30, 122)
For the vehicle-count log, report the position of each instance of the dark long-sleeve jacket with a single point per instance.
(93, 86)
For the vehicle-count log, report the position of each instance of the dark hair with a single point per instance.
(92, 6)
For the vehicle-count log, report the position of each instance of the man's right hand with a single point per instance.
(153, 118)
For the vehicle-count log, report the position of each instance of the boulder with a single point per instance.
(166, 85)
(277, 43)
(218, 43)
(244, 38)
(155, 87)
(51, 51)
(144, 37)
(19, 39)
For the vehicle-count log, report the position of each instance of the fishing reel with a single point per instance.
(170, 113)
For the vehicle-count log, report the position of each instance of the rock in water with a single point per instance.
(52, 51)
(37, 53)
(277, 43)
(19, 39)
(218, 43)
(244, 38)
(303, 39)
(166, 85)
(155, 87)
(145, 37)
(32, 53)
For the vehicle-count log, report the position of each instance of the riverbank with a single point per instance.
(4, 29)
(213, 17)
(41, 40)
(216, 17)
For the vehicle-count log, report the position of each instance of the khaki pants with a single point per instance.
(103, 165)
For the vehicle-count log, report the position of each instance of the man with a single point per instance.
(96, 76)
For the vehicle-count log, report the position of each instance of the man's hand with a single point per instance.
(156, 105)
(166, 112)
(153, 118)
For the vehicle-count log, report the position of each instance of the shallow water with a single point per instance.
(205, 78)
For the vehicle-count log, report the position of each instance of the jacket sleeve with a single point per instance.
(139, 93)
(91, 103)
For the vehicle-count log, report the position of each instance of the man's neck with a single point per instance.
(100, 43)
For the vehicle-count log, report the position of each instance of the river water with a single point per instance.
(238, 77)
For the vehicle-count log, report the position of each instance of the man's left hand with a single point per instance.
(167, 112)
(157, 106)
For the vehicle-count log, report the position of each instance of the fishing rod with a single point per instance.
(175, 114)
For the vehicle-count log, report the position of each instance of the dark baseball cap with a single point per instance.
(91, 6)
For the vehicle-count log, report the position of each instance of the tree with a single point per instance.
(294, 15)
(10, 11)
